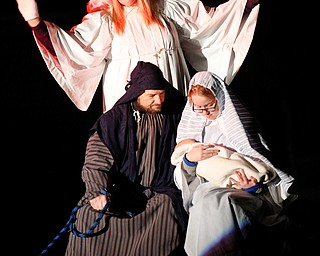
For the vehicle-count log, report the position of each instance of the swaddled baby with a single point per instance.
(219, 168)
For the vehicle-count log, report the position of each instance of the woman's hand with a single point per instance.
(243, 181)
(201, 152)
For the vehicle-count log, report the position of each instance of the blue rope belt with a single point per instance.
(71, 221)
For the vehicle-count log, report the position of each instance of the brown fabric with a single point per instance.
(149, 123)
(154, 232)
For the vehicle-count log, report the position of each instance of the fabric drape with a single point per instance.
(217, 41)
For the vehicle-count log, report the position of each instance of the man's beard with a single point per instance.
(152, 109)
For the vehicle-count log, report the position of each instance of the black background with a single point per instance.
(45, 135)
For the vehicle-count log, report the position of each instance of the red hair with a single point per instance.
(149, 10)
(201, 91)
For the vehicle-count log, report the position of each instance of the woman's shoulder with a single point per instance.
(97, 20)
(98, 10)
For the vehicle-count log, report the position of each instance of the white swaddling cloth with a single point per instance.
(218, 169)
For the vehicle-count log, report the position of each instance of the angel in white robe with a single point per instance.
(216, 39)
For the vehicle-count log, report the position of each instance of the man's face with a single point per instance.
(151, 100)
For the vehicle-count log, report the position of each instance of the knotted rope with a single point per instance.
(70, 225)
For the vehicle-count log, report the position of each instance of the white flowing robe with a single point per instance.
(221, 217)
(217, 41)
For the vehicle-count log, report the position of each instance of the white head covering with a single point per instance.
(240, 127)
(192, 124)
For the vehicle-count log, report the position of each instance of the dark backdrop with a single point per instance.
(45, 135)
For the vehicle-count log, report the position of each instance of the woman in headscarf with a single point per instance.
(116, 34)
(223, 219)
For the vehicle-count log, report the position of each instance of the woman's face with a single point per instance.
(127, 2)
(205, 106)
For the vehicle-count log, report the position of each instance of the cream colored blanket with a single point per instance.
(218, 169)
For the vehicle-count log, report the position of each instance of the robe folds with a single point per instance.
(217, 41)
(128, 157)
(154, 231)
(223, 220)
(159, 222)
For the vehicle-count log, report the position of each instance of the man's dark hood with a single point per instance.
(147, 76)
(117, 129)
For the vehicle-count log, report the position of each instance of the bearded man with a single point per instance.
(128, 157)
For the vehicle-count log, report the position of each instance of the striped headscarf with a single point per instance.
(240, 127)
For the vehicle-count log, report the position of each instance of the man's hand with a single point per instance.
(99, 202)
(28, 9)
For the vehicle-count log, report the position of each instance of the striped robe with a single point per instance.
(220, 218)
(155, 231)
(238, 126)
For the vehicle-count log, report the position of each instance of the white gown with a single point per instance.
(217, 41)
(222, 218)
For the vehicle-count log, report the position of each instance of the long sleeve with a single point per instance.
(41, 33)
(79, 60)
(98, 161)
(218, 40)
